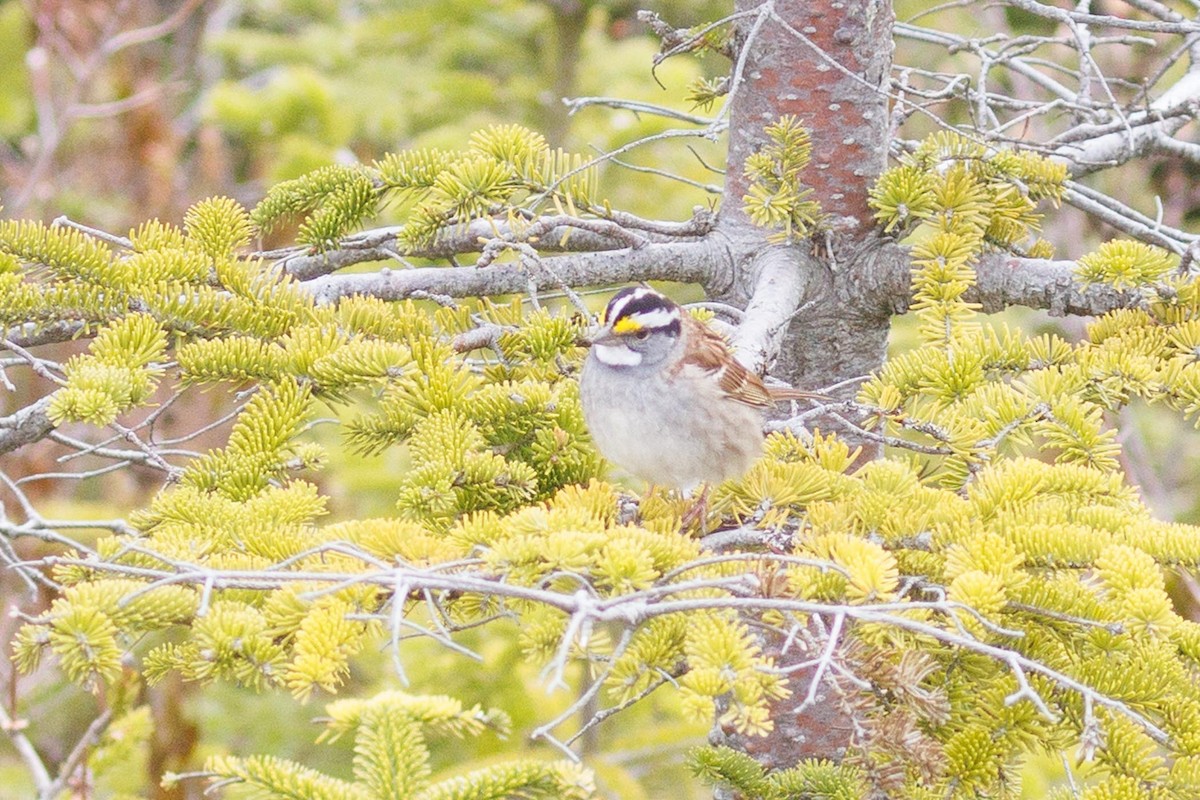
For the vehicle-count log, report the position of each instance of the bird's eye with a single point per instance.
(642, 335)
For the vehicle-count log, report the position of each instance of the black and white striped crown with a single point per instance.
(639, 308)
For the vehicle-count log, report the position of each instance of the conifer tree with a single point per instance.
(935, 575)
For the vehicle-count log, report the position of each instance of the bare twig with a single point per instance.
(543, 731)
(15, 729)
(822, 663)
(574, 104)
(1067, 17)
(631, 610)
(90, 738)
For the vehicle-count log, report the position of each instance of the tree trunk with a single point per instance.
(827, 63)
(570, 24)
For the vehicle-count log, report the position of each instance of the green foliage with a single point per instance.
(816, 780)
(704, 92)
(335, 200)
(1124, 263)
(93, 624)
(118, 761)
(191, 283)
(1015, 537)
(507, 174)
(301, 85)
(331, 78)
(119, 372)
(951, 184)
(479, 439)
(952, 197)
(260, 446)
(391, 758)
(16, 101)
(992, 588)
(65, 252)
(776, 197)
(219, 226)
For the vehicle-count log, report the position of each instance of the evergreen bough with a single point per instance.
(989, 590)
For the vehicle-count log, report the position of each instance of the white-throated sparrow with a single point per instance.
(665, 399)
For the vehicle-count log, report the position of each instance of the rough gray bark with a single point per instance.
(688, 262)
(26, 426)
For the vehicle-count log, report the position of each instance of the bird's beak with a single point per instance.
(604, 336)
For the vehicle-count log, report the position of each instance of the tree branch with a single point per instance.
(137, 36)
(778, 290)
(1169, 145)
(1003, 280)
(630, 610)
(955, 43)
(90, 738)
(1174, 108)
(1104, 20)
(380, 244)
(686, 262)
(575, 104)
(1128, 220)
(25, 426)
(28, 753)
(32, 334)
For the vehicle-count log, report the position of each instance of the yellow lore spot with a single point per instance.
(627, 325)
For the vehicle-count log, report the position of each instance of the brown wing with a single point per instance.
(781, 393)
(710, 354)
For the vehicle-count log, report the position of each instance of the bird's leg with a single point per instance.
(629, 508)
(697, 514)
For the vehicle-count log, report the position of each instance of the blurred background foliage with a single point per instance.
(240, 95)
(231, 97)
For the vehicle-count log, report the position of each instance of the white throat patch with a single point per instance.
(617, 355)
